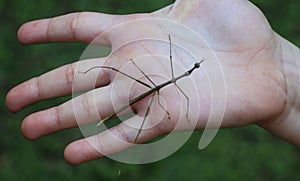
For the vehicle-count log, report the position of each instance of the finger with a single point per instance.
(56, 83)
(163, 11)
(109, 142)
(88, 109)
(83, 27)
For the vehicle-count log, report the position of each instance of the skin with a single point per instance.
(261, 85)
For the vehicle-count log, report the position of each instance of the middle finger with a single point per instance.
(58, 82)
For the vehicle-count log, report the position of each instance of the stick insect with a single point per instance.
(154, 89)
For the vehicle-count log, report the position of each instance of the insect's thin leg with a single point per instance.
(159, 103)
(171, 57)
(146, 114)
(118, 71)
(148, 78)
(187, 101)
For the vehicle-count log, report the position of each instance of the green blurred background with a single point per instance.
(248, 153)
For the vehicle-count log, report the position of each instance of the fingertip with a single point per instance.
(21, 33)
(32, 32)
(70, 157)
(80, 152)
(22, 95)
(27, 129)
(24, 34)
(12, 102)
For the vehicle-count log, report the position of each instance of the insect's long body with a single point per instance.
(152, 90)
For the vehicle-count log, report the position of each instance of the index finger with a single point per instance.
(81, 27)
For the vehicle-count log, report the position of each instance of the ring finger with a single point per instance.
(89, 108)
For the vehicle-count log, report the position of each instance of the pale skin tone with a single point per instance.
(260, 70)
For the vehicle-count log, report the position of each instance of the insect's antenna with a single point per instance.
(171, 57)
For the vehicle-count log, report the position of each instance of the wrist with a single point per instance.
(287, 124)
(290, 66)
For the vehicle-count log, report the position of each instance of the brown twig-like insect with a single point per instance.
(154, 89)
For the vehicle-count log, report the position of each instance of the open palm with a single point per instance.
(235, 31)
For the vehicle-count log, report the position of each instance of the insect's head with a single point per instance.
(197, 64)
